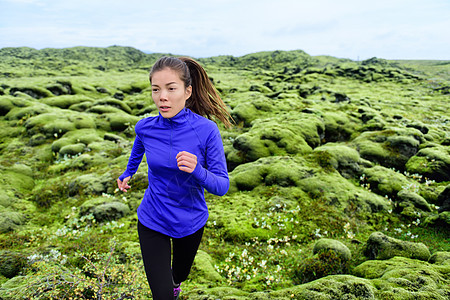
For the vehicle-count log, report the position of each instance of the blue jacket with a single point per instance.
(174, 202)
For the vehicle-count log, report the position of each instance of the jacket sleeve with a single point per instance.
(137, 152)
(214, 178)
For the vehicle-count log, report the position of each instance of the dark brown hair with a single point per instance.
(205, 99)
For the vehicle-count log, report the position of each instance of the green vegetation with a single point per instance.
(339, 177)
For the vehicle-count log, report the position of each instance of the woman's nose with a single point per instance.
(163, 95)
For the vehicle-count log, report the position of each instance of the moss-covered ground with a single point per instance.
(322, 148)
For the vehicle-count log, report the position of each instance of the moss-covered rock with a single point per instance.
(433, 163)
(283, 134)
(10, 220)
(90, 184)
(440, 258)
(340, 193)
(325, 262)
(115, 120)
(272, 140)
(391, 147)
(18, 178)
(443, 200)
(66, 101)
(33, 91)
(5, 106)
(380, 246)
(77, 137)
(27, 111)
(72, 149)
(283, 170)
(409, 202)
(335, 245)
(338, 126)
(329, 287)
(441, 220)
(384, 181)
(221, 292)
(405, 278)
(114, 103)
(11, 263)
(104, 209)
(110, 211)
(203, 270)
(50, 124)
(342, 158)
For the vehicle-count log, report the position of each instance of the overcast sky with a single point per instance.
(355, 29)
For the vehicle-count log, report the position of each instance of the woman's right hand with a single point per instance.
(123, 185)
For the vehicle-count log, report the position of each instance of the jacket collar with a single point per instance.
(179, 118)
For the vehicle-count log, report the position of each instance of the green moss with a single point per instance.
(203, 270)
(433, 163)
(380, 246)
(336, 246)
(338, 126)
(18, 113)
(10, 220)
(391, 147)
(66, 101)
(342, 158)
(11, 263)
(404, 278)
(384, 181)
(5, 106)
(325, 262)
(72, 149)
(440, 258)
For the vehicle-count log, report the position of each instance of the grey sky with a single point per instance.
(395, 29)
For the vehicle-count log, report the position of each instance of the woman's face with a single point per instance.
(169, 92)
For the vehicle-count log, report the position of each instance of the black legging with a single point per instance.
(156, 249)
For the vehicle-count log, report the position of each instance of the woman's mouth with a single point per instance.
(164, 108)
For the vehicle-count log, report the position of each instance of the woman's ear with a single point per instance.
(188, 92)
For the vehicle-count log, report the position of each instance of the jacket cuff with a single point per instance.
(124, 175)
(199, 173)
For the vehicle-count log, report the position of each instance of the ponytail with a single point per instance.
(205, 99)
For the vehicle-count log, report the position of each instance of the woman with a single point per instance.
(185, 155)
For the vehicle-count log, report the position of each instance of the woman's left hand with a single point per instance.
(186, 161)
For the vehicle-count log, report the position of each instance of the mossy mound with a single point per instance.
(288, 171)
(282, 170)
(90, 184)
(76, 140)
(324, 262)
(391, 147)
(335, 245)
(342, 158)
(203, 270)
(384, 181)
(330, 287)
(10, 220)
(380, 246)
(440, 258)
(405, 278)
(104, 209)
(281, 135)
(66, 101)
(338, 126)
(18, 178)
(24, 111)
(11, 263)
(409, 203)
(340, 193)
(433, 163)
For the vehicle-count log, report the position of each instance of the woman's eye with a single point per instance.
(155, 90)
